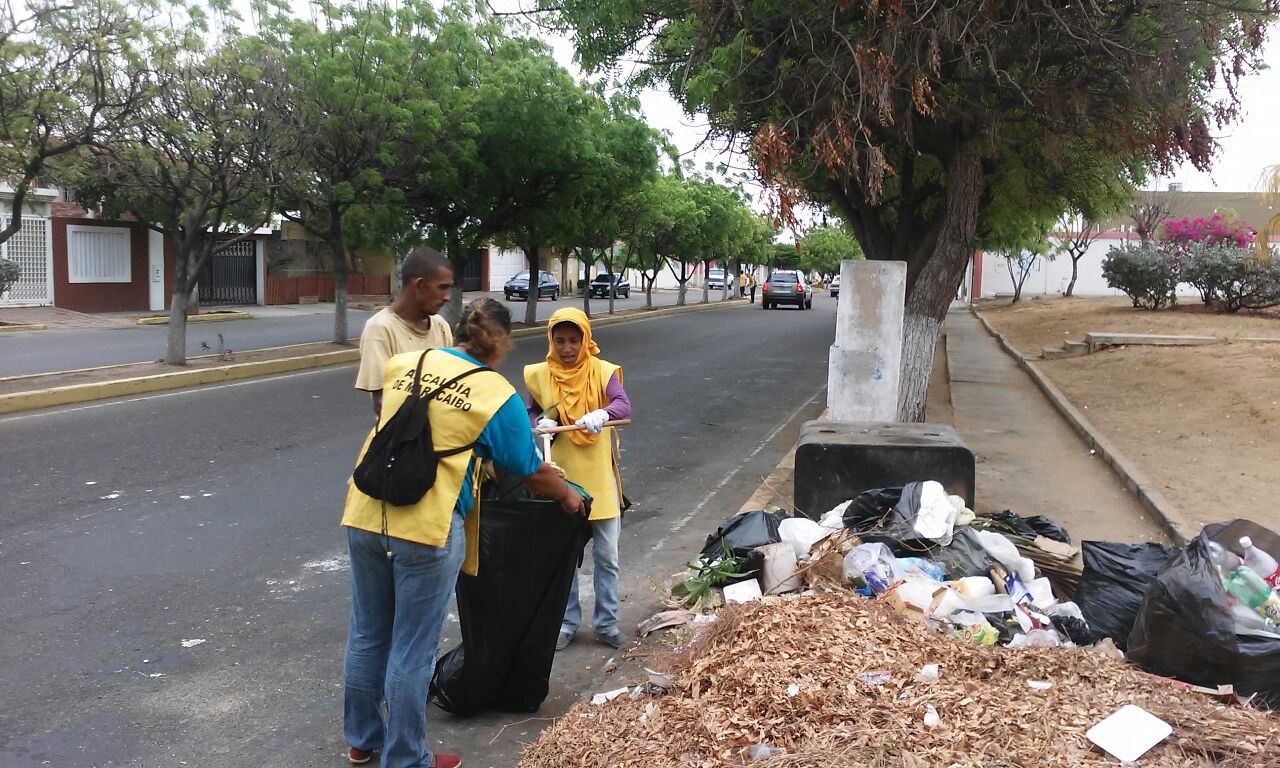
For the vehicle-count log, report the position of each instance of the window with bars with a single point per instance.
(98, 254)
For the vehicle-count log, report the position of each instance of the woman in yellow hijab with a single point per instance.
(574, 386)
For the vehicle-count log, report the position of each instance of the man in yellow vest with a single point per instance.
(405, 559)
(574, 386)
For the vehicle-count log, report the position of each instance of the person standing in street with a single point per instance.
(742, 284)
(411, 323)
(575, 386)
(405, 559)
(751, 286)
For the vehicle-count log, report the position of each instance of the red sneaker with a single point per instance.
(445, 761)
(359, 756)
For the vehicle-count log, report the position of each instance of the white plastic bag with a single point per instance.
(937, 516)
(803, 533)
(873, 563)
(1006, 553)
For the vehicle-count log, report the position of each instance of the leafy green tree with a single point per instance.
(357, 74)
(72, 75)
(823, 248)
(902, 116)
(205, 162)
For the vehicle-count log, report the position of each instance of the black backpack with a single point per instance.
(400, 465)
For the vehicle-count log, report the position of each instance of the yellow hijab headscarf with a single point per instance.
(576, 388)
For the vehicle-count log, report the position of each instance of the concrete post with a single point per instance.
(864, 366)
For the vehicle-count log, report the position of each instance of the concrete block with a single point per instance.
(1053, 353)
(865, 362)
(1098, 341)
(836, 461)
(1076, 348)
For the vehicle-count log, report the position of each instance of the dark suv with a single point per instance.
(787, 286)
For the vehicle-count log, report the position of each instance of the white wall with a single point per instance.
(503, 265)
(1050, 277)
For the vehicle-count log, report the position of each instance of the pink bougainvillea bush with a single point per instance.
(1215, 230)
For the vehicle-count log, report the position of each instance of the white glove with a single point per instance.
(594, 421)
(545, 423)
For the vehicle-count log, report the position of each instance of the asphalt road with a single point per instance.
(26, 352)
(176, 588)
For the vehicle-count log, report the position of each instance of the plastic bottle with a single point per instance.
(1224, 559)
(1249, 588)
(1260, 562)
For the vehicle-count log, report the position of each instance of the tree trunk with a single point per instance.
(458, 258)
(586, 290)
(933, 290)
(338, 251)
(535, 280)
(613, 292)
(1071, 286)
(176, 345)
(706, 290)
(648, 290)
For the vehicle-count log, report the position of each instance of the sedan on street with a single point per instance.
(518, 287)
(600, 285)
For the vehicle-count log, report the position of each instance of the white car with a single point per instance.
(835, 287)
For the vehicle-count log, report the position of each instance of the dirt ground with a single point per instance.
(1202, 422)
(1035, 323)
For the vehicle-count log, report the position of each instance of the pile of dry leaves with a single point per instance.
(832, 679)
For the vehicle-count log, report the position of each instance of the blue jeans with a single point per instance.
(604, 546)
(398, 608)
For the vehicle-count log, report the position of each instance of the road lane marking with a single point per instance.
(720, 486)
(176, 393)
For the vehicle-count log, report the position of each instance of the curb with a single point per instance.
(83, 393)
(217, 317)
(24, 327)
(1148, 495)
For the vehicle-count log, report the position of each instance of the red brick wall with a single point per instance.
(101, 297)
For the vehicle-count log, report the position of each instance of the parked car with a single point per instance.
(835, 287)
(600, 285)
(787, 286)
(715, 279)
(518, 287)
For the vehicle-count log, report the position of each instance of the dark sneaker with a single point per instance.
(563, 641)
(612, 637)
(445, 761)
(359, 756)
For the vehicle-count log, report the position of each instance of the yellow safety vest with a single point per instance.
(458, 416)
(595, 466)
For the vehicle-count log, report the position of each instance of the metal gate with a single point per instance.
(29, 249)
(231, 275)
(473, 271)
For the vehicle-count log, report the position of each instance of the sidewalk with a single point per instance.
(1028, 459)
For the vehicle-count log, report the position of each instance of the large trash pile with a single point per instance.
(835, 680)
(874, 636)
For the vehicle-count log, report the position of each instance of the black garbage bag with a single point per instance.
(743, 533)
(1185, 630)
(887, 515)
(1114, 579)
(510, 612)
(1029, 527)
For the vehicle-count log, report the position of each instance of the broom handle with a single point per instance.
(577, 428)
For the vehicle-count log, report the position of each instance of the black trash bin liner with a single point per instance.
(1184, 630)
(1114, 579)
(743, 533)
(510, 612)
(888, 515)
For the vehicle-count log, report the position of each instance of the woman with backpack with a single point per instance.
(405, 558)
(574, 386)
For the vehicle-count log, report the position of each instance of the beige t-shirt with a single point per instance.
(387, 334)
